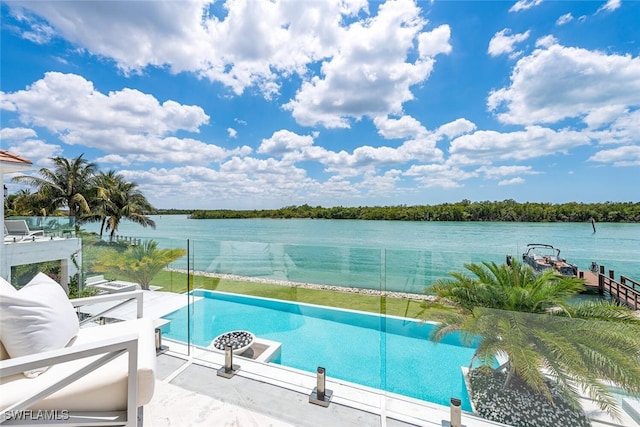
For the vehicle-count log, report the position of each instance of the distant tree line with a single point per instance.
(173, 211)
(506, 210)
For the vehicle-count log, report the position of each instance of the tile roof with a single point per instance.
(8, 157)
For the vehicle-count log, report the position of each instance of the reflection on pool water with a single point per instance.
(389, 353)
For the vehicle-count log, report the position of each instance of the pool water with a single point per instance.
(388, 353)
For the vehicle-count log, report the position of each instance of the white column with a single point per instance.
(4, 273)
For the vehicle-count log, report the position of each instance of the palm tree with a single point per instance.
(24, 203)
(105, 183)
(126, 201)
(67, 185)
(513, 312)
(139, 263)
(116, 199)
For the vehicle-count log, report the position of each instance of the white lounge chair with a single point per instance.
(103, 378)
(19, 229)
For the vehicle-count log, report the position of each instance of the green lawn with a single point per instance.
(177, 282)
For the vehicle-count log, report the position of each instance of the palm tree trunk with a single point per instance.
(104, 220)
(505, 365)
(510, 375)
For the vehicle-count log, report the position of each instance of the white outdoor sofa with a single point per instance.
(102, 379)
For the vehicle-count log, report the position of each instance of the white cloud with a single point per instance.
(621, 156)
(284, 141)
(546, 41)
(114, 159)
(369, 74)
(502, 42)
(487, 146)
(610, 6)
(380, 185)
(353, 65)
(293, 148)
(456, 128)
(604, 115)
(16, 133)
(438, 175)
(435, 42)
(256, 43)
(512, 181)
(524, 5)
(259, 178)
(180, 185)
(6, 105)
(248, 45)
(39, 32)
(561, 82)
(496, 172)
(128, 122)
(68, 102)
(448, 176)
(564, 19)
(403, 127)
(23, 142)
(624, 130)
(158, 33)
(39, 152)
(366, 157)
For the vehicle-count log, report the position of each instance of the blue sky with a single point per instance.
(247, 104)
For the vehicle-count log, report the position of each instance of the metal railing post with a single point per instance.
(456, 413)
(320, 395)
(229, 369)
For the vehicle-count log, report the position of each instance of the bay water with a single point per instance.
(388, 255)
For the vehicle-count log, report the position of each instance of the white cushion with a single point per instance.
(36, 318)
(104, 389)
(6, 287)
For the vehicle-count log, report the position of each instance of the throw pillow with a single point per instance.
(36, 318)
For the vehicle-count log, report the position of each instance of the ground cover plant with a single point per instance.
(518, 404)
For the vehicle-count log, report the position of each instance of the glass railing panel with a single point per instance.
(157, 266)
(417, 371)
(485, 346)
(574, 370)
(268, 282)
(295, 306)
(41, 226)
(24, 256)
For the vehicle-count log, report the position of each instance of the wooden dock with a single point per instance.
(626, 290)
(590, 279)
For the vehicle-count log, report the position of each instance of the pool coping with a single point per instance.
(364, 398)
(360, 397)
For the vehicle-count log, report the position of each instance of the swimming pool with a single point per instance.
(388, 353)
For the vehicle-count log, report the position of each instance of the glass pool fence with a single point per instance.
(364, 315)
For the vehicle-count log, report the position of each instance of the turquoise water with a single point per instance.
(387, 255)
(387, 353)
